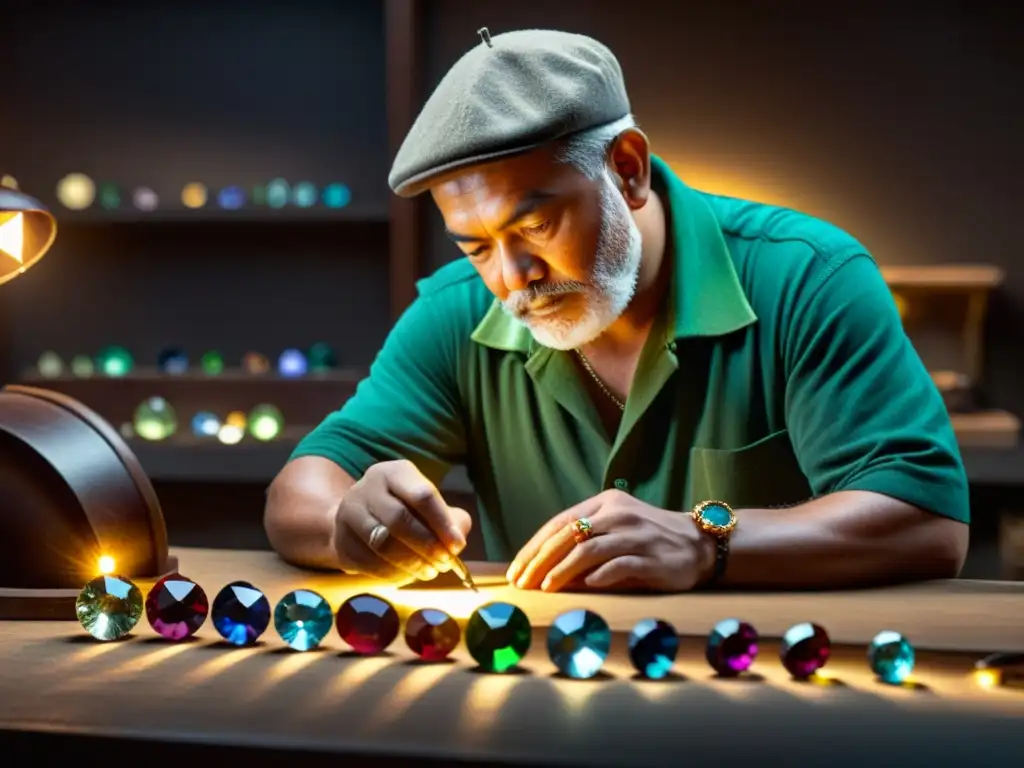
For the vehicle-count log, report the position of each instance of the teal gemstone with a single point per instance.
(115, 361)
(109, 607)
(578, 643)
(891, 657)
(303, 618)
(716, 514)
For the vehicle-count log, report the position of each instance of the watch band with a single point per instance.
(719, 525)
(721, 560)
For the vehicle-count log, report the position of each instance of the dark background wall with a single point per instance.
(900, 122)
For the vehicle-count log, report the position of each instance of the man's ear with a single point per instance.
(630, 159)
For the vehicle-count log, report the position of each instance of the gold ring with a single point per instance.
(582, 529)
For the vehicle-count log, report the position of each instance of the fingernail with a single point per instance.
(521, 582)
(545, 585)
(511, 573)
(428, 573)
(458, 540)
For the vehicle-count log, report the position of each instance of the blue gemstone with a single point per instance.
(891, 657)
(303, 618)
(292, 363)
(653, 645)
(240, 613)
(173, 360)
(716, 514)
(578, 643)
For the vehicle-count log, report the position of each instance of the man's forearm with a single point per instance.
(847, 539)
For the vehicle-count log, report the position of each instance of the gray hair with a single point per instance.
(587, 150)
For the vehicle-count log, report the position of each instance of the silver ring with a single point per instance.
(378, 536)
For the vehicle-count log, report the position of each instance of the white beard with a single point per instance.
(612, 284)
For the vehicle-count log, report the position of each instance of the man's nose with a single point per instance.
(520, 268)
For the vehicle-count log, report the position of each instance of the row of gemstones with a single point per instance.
(498, 635)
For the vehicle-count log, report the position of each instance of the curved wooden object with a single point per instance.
(71, 490)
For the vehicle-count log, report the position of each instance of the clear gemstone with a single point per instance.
(498, 635)
(367, 623)
(432, 634)
(241, 613)
(109, 607)
(732, 647)
(176, 607)
(891, 657)
(653, 646)
(578, 643)
(805, 649)
(155, 419)
(303, 618)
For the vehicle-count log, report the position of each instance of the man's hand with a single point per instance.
(633, 546)
(393, 524)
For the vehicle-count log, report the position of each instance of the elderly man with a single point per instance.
(652, 387)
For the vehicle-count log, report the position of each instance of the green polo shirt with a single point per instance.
(778, 371)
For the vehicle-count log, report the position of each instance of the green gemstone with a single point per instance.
(498, 635)
(716, 514)
(322, 358)
(109, 607)
(115, 361)
(155, 419)
(82, 366)
(110, 196)
(212, 363)
(265, 422)
(50, 365)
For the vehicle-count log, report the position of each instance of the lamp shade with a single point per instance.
(74, 502)
(27, 231)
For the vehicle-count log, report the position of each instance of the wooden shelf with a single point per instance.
(364, 214)
(945, 277)
(987, 429)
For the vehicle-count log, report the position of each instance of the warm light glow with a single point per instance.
(194, 195)
(106, 564)
(12, 236)
(987, 678)
(230, 434)
(457, 603)
(237, 419)
(76, 191)
(8, 181)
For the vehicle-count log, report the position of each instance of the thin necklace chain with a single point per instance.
(586, 364)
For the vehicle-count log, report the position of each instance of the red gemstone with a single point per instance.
(367, 623)
(176, 607)
(432, 634)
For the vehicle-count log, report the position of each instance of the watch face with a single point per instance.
(716, 514)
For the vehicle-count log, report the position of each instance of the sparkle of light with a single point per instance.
(230, 434)
(987, 678)
(106, 564)
(76, 191)
(12, 236)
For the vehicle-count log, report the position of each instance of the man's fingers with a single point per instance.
(557, 523)
(410, 486)
(356, 556)
(383, 545)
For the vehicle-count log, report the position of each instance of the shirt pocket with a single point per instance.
(759, 475)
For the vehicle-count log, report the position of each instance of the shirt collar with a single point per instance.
(707, 297)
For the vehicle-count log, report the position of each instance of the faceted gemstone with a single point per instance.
(303, 618)
(498, 635)
(172, 360)
(432, 634)
(805, 649)
(212, 363)
(578, 643)
(255, 363)
(891, 657)
(732, 647)
(653, 645)
(265, 422)
(367, 623)
(50, 365)
(322, 358)
(155, 419)
(241, 613)
(109, 607)
(82, 366)
(176, 607)
(292, 363)
(115, 361)
(205, 424)
(716, 514)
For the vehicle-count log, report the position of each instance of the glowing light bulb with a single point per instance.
(106, 564)
(8, 181)
(76, 191)
(145, 199)
(12, 235)
(194, 195)
(229, 434)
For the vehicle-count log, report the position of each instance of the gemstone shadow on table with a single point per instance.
(240, 613)
(303, 618)
(498, 635)
(578, 643)
(731, 647)
(653, 646)
(432, 634)
(367, 623)
(176, 607)
(109, 607)
(805, 649)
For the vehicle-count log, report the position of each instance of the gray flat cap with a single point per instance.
(511, 93)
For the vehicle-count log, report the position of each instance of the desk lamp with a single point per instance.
(74, 500)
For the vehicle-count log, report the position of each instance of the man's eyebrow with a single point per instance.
(529, 204)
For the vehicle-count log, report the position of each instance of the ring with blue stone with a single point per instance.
(891, 657)
(714, 517)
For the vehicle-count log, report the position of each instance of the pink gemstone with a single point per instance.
(176, 607)
(432, 634)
